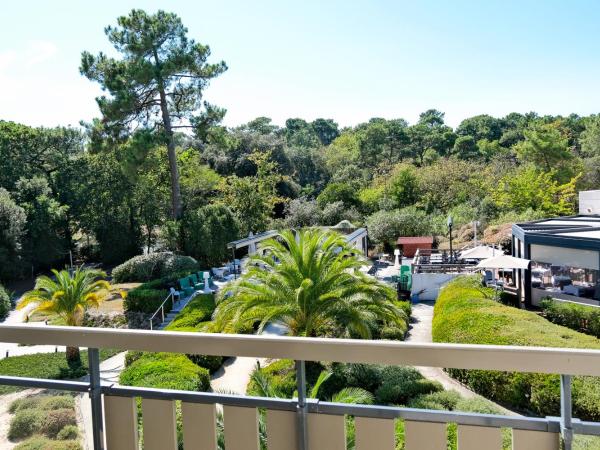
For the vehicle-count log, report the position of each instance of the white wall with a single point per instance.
(430, 283)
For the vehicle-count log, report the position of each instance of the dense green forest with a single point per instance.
(158, 170)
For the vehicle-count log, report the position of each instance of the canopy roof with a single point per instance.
(504, 262)
(480, 252)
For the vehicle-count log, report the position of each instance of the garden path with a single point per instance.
(17, 317)
(235, 373)
(420, 332)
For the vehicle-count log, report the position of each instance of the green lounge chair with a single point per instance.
(195, 282)
(186, 287)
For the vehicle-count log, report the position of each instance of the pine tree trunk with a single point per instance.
(174, 170)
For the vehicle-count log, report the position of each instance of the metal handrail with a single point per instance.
(161, 309)
(562, 361)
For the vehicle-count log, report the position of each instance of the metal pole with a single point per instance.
(234, 267)
(566, 412)
(301, 408)
(96, 398)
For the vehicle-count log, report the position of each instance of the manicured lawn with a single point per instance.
(51, 366)
(466, 313)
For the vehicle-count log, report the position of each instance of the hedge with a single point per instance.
(147, 297)
(465, 313)
(585, 319)
(194, 314)
(146, 300)
(191, 318)
(165, 371)
(153, 265)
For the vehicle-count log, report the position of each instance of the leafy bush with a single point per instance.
(166, 371)
(5, 304)
(25, 423)
(57, 419)
(153, 265)
(43, 402)
(441, 400)
(146, 300)
(386, 226)
(43, 443)
(68, 432)
(585, 319)
(210, 362)
(465, 313)
(399, 385)
(393, 332)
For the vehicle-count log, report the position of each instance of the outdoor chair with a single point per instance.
(186, 287)
(198, 285)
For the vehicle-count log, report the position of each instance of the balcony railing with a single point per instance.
(303, 423)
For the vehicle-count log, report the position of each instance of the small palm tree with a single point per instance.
(68, 296)
(310, 281)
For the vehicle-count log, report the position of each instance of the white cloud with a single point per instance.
(39, 51)
(6, 59)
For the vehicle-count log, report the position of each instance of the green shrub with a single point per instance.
(585, 319)
(210, 362)
(43, 402)
(465, 313)
(55, 420)
(25, 423)
(68, 432)
(166, 371)
(43, 443)
(393, 332)
(146, 300)
(197, 311)
(437, 400)
(153, 265)
(399, 385)
(5, 304)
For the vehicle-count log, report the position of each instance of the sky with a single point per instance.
(345, 60)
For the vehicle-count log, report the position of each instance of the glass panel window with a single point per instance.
(568, 280)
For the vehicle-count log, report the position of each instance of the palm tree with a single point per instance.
(68, 296)
(310, 281)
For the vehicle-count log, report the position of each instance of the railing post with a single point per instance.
(301, 408)
(96, 398)
(566, 412)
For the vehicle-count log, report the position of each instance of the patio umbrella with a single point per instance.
(480, 252)
(504, 262)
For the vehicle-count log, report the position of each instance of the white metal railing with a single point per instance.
(161, 310)
(305, 423)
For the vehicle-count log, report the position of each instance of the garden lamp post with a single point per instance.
(450, 222)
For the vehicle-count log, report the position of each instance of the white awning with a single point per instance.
(504, 262)
(480, 252)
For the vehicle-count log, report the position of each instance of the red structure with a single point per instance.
(410, 244)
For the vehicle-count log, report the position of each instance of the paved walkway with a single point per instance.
(109, 373)
(420, 331)
(235, 373)
(17, 317)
